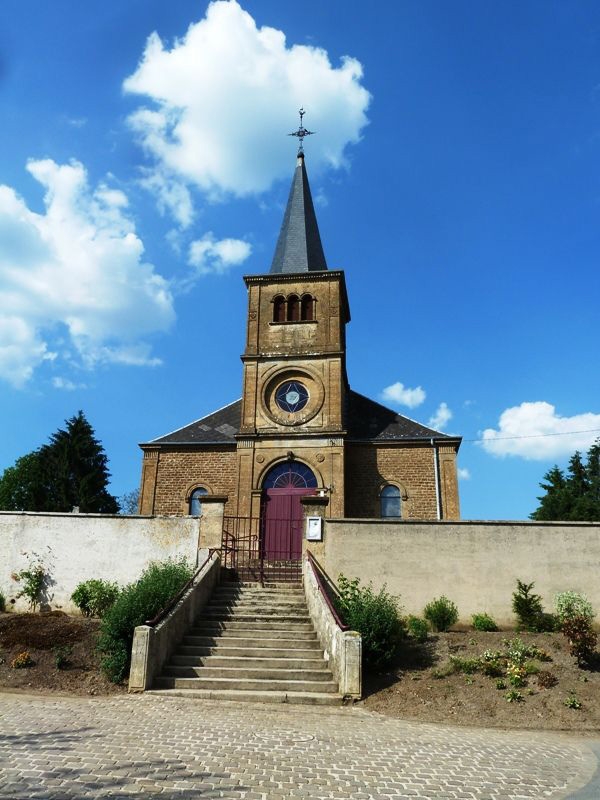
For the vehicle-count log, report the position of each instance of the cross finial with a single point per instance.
(301, 132)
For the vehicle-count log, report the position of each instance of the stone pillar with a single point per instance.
(314, 505)
(211, 521)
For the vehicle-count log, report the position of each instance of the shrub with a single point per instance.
(22, 661)
(34, 579)
(573, 604)
(62, 655)
(529, 610)
(135, 604)
(465, 665)
(582, 639)
(418, 629)
(375, 616)
(95, 597)
(2, 603)
(514, 696)
(546, 679)
(441, 613)
(483, 622)
(572, 702)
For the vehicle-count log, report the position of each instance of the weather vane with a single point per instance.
(301, 132)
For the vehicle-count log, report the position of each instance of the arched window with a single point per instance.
(196, 501)
(279, 309)
(307, 307)
(391, 501)
(290, 474)
(293, 308)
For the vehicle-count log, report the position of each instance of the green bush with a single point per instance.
(94, 597)
(483, 622)
(529, 610)
(441, 613)
(2, 603)
(573, 604)
(135, 604)
(375, 616)
(418, 629)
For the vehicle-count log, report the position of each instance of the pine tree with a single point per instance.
(71, 470)
(575, 496)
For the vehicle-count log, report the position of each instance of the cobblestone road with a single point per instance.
(154, 747)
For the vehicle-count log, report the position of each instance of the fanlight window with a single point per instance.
(290, 474)
(391, 502)
(196, 501)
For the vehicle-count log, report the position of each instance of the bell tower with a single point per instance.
(294, 374)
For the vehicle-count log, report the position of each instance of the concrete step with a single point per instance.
(246, 696)
(251, 662)
(243, 616)
(215, 626)
(247, 673)
(253, 604)
(307, 650)
(253, 685)
(302, 640)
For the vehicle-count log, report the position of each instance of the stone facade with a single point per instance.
(296, 337)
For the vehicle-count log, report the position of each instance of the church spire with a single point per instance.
(299, 247)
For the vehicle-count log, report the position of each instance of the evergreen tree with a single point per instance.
(71, 470)
(575, 496)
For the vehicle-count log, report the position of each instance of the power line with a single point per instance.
(534, 436)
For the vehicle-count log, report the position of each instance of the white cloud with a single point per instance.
(464, 474)
(550, 433)
(211, 255)
(74, 272)
(401, 395)
(223, 97)
(441, 418)
(66, 384)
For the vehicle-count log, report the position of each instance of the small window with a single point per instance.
(196, 501)
(279, 309)
(293, 308)
(307, 307)
(391, 503)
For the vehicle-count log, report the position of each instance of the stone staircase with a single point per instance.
(252, 643)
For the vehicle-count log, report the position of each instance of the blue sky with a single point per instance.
(456, 172)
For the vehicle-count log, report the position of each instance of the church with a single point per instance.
(299, 429)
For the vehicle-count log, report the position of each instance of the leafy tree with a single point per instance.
(575, 495)
(128, 502)
(71, 470)
(22, 487)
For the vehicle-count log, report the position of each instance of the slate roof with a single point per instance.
(299, 247)
(366, 420)
(219, 427)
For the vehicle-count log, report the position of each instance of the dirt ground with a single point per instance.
(40, 635)
(411, 690)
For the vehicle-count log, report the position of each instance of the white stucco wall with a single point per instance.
(475, 564)
(77, 547)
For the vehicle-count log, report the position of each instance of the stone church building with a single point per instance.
(299, 428)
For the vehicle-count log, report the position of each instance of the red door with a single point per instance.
(283, 521)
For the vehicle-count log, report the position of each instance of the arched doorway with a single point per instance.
(281, 510)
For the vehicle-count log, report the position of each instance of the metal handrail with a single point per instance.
(174, 600)
(318, 573)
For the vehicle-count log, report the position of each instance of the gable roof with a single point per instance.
(366, 420)
(299, 247)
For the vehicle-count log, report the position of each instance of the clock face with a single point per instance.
(291, 396)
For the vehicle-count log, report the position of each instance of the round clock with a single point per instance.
(291, 396)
